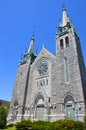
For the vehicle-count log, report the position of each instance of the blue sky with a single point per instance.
(18, 20)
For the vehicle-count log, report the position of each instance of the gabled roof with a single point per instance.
(44, 53)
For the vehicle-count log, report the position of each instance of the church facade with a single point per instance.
(51, 87)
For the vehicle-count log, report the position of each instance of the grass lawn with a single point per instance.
(9, 128)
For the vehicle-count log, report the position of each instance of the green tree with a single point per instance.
(2, 117)
(6, 106)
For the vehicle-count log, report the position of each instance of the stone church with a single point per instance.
(51, 87)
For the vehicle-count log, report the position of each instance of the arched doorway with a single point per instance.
(69, 107)
(39, 107)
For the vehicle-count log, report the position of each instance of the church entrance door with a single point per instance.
(40, 112)
(70, 113)
(39, 107)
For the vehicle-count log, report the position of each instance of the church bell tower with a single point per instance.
(72, 73)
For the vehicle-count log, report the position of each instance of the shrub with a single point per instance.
(78, 125)
(24, 125)
(2, 117)
(67, 124)
(42, 125)
(46, 125)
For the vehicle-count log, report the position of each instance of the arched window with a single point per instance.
(67, 41)
(61, 44)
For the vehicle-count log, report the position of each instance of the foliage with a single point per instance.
(68, 124)
(46, 125)
(63, 124)
(42, 125)
(6, 105)
(78, 125)
(23, 125)
(36, 125)
(2, 117)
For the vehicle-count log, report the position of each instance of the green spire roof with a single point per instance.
(30, 53)
(65, 23)
(31, 47)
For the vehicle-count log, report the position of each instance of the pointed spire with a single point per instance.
(32, 36)
(65, 23)
(65, 18)
(31, 47)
